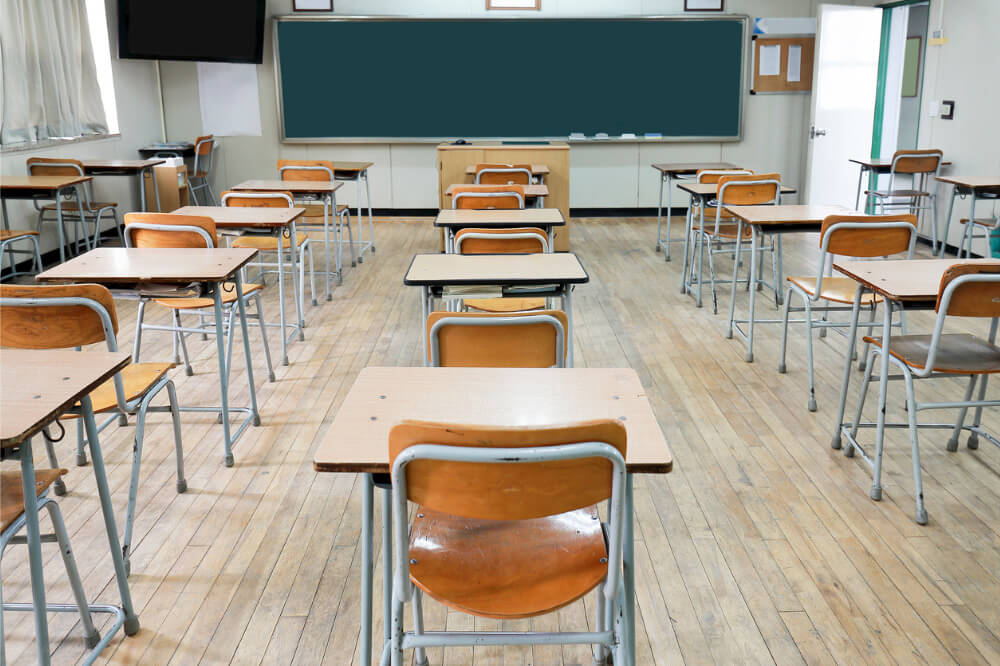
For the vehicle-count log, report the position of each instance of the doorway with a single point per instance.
(900, 80)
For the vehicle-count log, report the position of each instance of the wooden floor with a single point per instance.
(762, 546)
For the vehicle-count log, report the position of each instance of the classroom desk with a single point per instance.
(38, 387)
(454, 219)
(704, 195)
(904, 283)
(536, 191)
(138, 271)
(41, 187)
(358, 439)
(540, 275)
(978, 187)
(127, 168)
(323, 190)
(357, 172)
(780, 219)
(275, 221)
(669, 172)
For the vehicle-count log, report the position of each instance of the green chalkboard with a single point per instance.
(423, 79)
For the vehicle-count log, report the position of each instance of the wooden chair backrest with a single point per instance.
(242, 201)
(203, 144)
(505, 491)
(976, 299)
(527, 346)
(176, 239)
(54, 326)
(927, 163)
(751, 193)
(487, 203)
(37, 166)
(305, 174)
(713, 175)
(506, 178)
(500, 243)
(867, 242)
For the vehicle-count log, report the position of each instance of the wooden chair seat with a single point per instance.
(316, 210)
(228, 296)
(505, 304)
(837, 289)
(473, 565)
(981, 221)
(726, 229)
(9, 234)
(11, 497)
(71, 205)
(137, 378)
(267, 242)
(897, 193)
(958, 353)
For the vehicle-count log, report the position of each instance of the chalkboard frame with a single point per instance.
(744, 78)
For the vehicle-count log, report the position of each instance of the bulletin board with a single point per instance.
(782, 64)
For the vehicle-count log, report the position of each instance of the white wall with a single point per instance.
(966, 70)
(405, 176)
(139, 124)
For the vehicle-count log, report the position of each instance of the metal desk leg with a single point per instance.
(754, 250)
(142, 193)
(659, 215)
(227, 441)
(326, 241)
(104, 493)
(255, 415)
(34, 552)
(666, 246)
(567, 303)
(687, 242)
(971, 226)
(281, 300)
(367, 527)
(861, 176)
(852, 342)
(425, 297)
(386, 564)
(628, 561)
(947, 224)
(371, 218)
(298, 289)
(736, 272)
(6, 227)
(883, 387)
(59, 223)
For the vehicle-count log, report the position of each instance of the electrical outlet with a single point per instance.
(933, 107)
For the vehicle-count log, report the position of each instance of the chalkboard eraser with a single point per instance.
(577, 135)
(628, 135)
(601, 135)
(459, 142)
(653, 135)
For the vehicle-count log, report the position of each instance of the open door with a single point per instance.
(845, 76)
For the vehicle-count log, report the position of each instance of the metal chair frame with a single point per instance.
(36, 257)
(511, 236)
(611, 634)
(84, 209)
(505, 170)
(826, 269)
(205, 184)
(911, 203)
(969, 235)
(435, 340)
(908, 374)
(139, 407)
(486, 195)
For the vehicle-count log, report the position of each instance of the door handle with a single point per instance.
(815, 132)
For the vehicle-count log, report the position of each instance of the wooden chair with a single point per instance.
(321, 170)
(967, 290)
(506, 527)
(503, 174)
(987, 225)
(12, 236)
(85, 210)
(866, 236)
(492, 340)
(720, 235)
(487, 197)
(13, 520)
(201, 174)
(166, 230)
(59, 317)
(918, 165)
(518, 240)
(267, 243)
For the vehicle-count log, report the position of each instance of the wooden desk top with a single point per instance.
(127, 266)
(40, 384)
(40, 183)
(495, 269)
(536, 169)
(911, 280)
(786, 214)
(501, 217)
(690, 168)
(294, 186)
(533, 190)
(973, 182)
(118, 166)
(879, 164)
(239, 216)
(352, 166)
(710, 189)
(358, 439)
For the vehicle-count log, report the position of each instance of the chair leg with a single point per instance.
(90, 634)
(701, 263)
(973, 442)
(81, 442)
(809, 355)
(782, 368)
(346, 219)
(911, 417)
(175, 417)
(953, 440)
(138, 330)
(711, 275)
(862, 396)
(867, 345)
(419, 654)
(263, 336)
(58, 487)
(182, 337)
(396, 645)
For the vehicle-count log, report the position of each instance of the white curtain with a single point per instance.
(50, 86)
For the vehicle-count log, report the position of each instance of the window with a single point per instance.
(97, 19)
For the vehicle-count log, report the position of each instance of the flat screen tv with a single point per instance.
(207, 30)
